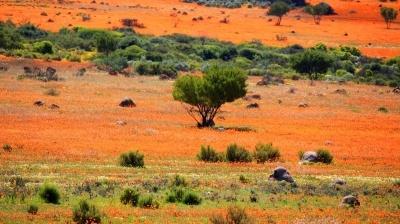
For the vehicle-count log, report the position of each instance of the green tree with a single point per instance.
(317, 11)
(389, 15)
(9, 38)
(312, 62)
(106, 43)
(208, 93)
(278, 9)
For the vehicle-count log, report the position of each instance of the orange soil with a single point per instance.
(365, 28)
(84, 128)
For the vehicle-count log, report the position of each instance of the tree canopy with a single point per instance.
(206, 94)
(311, 62)
(317, 11)
(389, 15)
(279, 9)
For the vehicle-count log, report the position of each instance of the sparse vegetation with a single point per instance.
(324, 156)
(208, 154)
(130, 196)
(132, 159)
(33, 209)
(85, 212)
(266, 153)
(237, 154)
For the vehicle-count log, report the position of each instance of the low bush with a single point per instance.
(208, 154)
(266, 153)
(191, 198)
(236, 154)
(131, 159)
(175, 195)
(235, 215)
(50, 193)
(130, 196)
(51, 92)
(324, 156)
(178, 181)
(383, 109)
(148, 202)
(33, 209)
(84, 213)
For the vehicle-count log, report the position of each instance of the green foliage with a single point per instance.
(84, 213)
(33, 209)
(266, 153)
(154, 68)
(178, 181)
(300, 154)
(43, 47)
(130, 196)
(106, 43)
(191, 198)
(131, 159)
(279, 9)
(389, 15)
(208, 154)
(219, 85)
(237, 154)
(149, 202)
(383, 110)
(312, 62)
(30, 31)
(317, 11)
(175, 195)
(9, 38)
(50, 193)
(324, 156)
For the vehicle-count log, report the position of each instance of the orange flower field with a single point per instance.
(77, 146)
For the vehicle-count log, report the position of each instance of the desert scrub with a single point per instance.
(208, 154)
(191, 198)
(149, 202)
(178, 181)
(266, 153)
(235, 214)
(50, 194)
(237, 154)
(51, 92)
(383, 110)
(175, 195)
(130, 196)
(324, 156)
(33, 209)
(84, 213)
(131, 159)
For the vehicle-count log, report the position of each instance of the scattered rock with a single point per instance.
(38, 103)
(350, 200)
(127, 102)
(341, 91)
(254, 96)
(303, 104)
(112, 71)
(396, 90)
(3, 67)
(292, 90)
(309, 157)
(280, 173)
(54, 106)
(121, 122)
(338, 182)
(253, 105)
(328, 143)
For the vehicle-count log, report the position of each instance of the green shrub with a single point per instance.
(301, 153)
(43, 47)
(324, 156)
(85, 212)
(236, 154)
(383, 110)
(191, 198)
(393, 83)
(50, 193)
(266, 153)
(131, 159)
(175, 195)
(178, 181)
(148, 202)
(33, 209)
(208, 154)
(243, 179)
(130, 196)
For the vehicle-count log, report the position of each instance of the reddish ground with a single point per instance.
(361, 21)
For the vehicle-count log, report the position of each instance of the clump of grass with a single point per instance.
(130, 196)
(324, 156)
(175, 195)
(50, 193)
(235, 215)
(148, 202)
(266, 153)
(33, 209)
(383, 110)
(178, 181)
(132, 159)
(191, 198)
(85, 212)
(301, 153)
(244, 179)
(235, 154)
(208, 154)
(52, 92)
(7, 148)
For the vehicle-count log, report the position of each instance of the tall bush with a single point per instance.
(235, 153)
